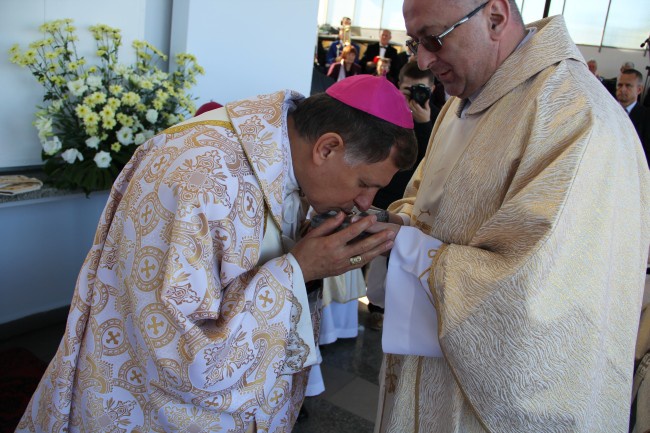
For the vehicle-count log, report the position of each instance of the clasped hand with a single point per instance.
(324, 252)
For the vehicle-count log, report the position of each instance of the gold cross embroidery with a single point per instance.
(265, 299)
(136, 376)
(113, 337)
(154, 325)
(147, 268)
(275, 397)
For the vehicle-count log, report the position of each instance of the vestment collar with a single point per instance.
(551, 44)
(260, 124)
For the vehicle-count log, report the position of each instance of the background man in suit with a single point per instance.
(628, 88)
(381, 49)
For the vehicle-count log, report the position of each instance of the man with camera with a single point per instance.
(417, 86)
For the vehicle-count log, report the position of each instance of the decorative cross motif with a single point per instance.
(249, 415)
(113, 337)
(214, 402)
(275, 397)
(145, 215)
(147, 268)
(249, 208)
(154, 325)
(160, 162)
(136, 376)
(265, 299)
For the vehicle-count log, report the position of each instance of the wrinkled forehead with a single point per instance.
(424, 17)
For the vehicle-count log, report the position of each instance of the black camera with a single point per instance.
(421, 93)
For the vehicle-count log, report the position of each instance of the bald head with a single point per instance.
(468, 55)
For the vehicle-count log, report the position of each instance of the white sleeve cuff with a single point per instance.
(405, 218)
(410, 318)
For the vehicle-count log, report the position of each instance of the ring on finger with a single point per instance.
(355, 260)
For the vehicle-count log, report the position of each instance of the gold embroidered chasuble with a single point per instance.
(538, 284)
(175, 325)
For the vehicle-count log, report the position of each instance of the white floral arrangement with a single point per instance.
(95, 115)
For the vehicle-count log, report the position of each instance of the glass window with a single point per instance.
(586, 20)
(337, 9)
(557, 7)
(626, 26)
(533, 10)
(392, 17)
(368, 14)
(628, 23)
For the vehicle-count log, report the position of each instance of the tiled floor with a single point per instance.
(350, 371)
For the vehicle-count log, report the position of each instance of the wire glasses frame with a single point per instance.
(433, 43)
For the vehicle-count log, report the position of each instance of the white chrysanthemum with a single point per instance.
(148, 134)
(91, 119)
(82, 110)
(151, 116)
(125, 136)
(102, 159)
(52, 146)
(107, 113)
(77, 87)
(120, 69)
(94, 81)
(130, 98)
(108, 123)
(44, 127)
(71, 155)
(56, 106)
(93, 142)
(139, 138)
(145, 84)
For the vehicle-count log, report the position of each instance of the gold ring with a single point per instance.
(355, 260)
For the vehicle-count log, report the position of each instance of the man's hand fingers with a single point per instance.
(362, 252)
(356, 228)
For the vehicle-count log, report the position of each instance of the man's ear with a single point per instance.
(499, 11)
(326, 147)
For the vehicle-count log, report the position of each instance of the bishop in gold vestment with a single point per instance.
(538, 193)
(191, 312)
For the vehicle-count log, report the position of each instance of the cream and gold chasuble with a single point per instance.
(174, 325)
(545, 223)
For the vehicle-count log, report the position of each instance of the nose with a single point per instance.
(364, 200)
(425, 58)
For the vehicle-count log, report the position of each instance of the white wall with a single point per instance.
(44, 244)
(243, 45)
(19, 22)
(247, 47)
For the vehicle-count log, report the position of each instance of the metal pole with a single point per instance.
(602, 36)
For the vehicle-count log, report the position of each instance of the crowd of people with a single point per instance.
(628, 89)
(511, 262)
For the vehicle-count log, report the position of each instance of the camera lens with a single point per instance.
(420, 93)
